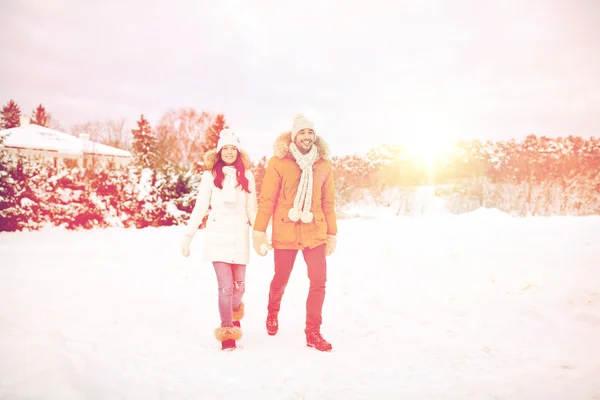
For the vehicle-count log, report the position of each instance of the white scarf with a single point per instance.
(229, 184)
(305, 188)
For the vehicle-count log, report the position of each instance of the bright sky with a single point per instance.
(367, 72)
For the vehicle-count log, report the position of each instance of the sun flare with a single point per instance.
(428, 148)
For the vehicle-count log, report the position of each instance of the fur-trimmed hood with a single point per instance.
(211, 156)
(281, 147)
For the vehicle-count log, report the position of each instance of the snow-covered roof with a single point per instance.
(36, 137)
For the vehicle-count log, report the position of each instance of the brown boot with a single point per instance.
(238, 314)
(227, 335)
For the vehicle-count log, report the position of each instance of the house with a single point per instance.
(60, 148)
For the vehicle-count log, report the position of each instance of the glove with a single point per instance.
(261, 244)
(331, 243)
(185, 245)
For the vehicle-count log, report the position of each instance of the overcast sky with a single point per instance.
(367, 72)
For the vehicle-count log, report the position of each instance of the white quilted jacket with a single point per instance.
(226, 237)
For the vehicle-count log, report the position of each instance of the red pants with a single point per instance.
(317, 274)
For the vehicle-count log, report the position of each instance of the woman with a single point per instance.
(229, 189)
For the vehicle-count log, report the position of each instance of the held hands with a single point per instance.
(261, 244)
(331, 243)
(185, 245)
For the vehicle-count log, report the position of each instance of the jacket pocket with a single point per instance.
(284, 229)
(319, 226)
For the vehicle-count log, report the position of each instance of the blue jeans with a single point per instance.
(231, 279)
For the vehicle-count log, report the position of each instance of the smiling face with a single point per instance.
(304, 140)
(229, 154)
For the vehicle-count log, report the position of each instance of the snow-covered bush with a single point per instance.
(539, 176)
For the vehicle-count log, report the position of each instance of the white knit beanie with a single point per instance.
(227, 137)
(301, 122)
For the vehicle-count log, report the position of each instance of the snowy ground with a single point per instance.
(478, 306)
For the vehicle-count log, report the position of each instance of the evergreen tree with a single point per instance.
(211, 136)
(40, 116)
(19, 204)
(8, 211)
(144, 144)
(10, 115)
(259, 172)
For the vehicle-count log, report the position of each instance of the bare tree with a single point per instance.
(116, 135)
(55, 124)
(110, 132)
(180, 135)
(92, 128)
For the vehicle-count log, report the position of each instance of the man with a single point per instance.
(298, 193)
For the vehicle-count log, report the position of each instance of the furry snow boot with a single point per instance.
(238, 314)
(227, 335)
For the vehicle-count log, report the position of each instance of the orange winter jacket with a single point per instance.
(278, 192)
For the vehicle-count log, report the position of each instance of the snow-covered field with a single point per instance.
(477, 306)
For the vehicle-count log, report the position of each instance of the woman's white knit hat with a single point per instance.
(227, 137)
(301, 122)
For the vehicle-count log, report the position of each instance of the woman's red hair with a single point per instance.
(238, 164)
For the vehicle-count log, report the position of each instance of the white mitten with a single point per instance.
(331, 243)
(185, 245)
(260, 241)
